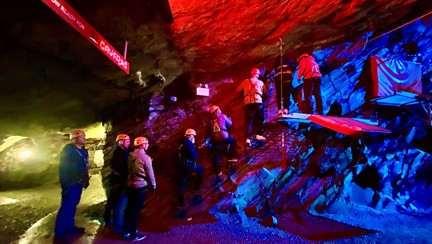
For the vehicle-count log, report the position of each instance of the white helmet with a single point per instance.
(190, 132)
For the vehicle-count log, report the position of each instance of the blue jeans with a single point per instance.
(115, 207)
(312, 86)
(186, 169)
(219, 149)
(135, 203)
(254, 118)
(65, 220)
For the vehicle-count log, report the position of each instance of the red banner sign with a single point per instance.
(64, 10)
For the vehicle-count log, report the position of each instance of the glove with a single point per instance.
(86, 182)
(153, 188)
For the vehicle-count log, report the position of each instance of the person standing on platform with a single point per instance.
(116, 200)
(253, 92)
(73, 175)
(140, 176)
(310, 72)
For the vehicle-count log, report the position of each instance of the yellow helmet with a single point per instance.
(122, 137)
(214, 109)
(190, 132)
(76, 133)
(140, 140)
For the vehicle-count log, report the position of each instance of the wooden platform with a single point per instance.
(347, 126)
(294, 117)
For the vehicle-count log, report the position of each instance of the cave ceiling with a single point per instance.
(52, 77)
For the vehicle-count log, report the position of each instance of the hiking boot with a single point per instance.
(260, 138)
(137, 237)
(280, 112)
(232, 160)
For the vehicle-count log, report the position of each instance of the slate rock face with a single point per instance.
(70, 83)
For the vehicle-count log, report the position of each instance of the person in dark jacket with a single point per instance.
(221, 143)
(188, 165)
(73, 175)
(140, 177)
(116, 200)
(283, 69)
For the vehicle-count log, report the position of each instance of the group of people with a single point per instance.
(131, 177)
(254, 90)
(220, 143)
(132, 171)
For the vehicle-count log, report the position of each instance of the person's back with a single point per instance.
(253, 90)
(140, 169)
(308, 67)
(309, 70)
(283, 72)
(283, 82)
(220, 124)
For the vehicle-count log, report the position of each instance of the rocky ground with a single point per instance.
(31, 220)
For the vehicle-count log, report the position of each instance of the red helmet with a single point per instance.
(122, 137)
(255, 71)
(76, 133)
(214, 109)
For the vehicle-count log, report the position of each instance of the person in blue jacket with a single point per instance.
(188, 165)
(73, 175)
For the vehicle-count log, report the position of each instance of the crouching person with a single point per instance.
(222, 143)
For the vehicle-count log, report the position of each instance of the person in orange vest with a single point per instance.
(253, 91)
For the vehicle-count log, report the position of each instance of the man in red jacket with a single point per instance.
(310, 72)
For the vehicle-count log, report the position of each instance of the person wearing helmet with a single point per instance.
(310, 72)
(73, 175)
(221, 141)
(140, 178)
(116, 200)
(253, 92)
(188, 165)
(283, 68)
